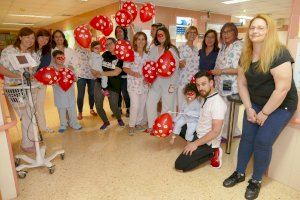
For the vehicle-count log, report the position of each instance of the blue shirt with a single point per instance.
(207, 62)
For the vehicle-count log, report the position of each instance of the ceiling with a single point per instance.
(61, 9)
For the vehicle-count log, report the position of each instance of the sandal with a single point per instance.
(92, 112)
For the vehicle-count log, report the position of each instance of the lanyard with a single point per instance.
(205, 99)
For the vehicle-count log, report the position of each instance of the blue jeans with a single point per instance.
(258, 140)
(81, 84)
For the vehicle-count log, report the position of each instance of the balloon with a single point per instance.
(193, 80)
(124, 51)
(47, 75)
(163, 125)
(147, 12)
(103, 43)
(103, 24)
(66, 78)
(123, 18)
(149, 71)
(83, 36)
(131, 8)
(1, 76)
(166, 64)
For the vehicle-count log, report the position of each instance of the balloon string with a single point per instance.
(180, 113)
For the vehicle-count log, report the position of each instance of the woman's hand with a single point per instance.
(216, 72)
(95, 73)
(190, 148)
(182, 63)
(137, 75)
(261, 118)
(251, 115)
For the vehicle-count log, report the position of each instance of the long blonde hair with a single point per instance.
(271, 47)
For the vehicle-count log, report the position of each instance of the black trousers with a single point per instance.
(124, 94)
(200, 155)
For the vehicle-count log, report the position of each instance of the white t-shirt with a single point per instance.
(213, 107)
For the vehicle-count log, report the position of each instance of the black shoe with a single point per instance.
(234, 179)
(252, 190)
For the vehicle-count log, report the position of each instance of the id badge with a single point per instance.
(227, 85)
(171, 88)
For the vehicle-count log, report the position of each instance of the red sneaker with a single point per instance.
(216, 160)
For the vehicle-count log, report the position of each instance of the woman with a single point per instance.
(162, 88)
(136, 86)
(43, 50)
(121, 33)
(23, 44)
(225, 71)
(59, 42)
(209, 52)
(269, 95)
(84, 77)
(188, 65)
(112, 68)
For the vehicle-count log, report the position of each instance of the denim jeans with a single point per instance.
(81, 84)
(258, 140)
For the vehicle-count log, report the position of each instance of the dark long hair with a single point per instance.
(23, 32)
(125, 32)
(63, 35)
(47, 48)
(167, 43)
(216, 47)
(232, 27)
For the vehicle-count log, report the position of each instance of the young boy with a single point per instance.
(64, 100)
(189, 115)
(96, 64)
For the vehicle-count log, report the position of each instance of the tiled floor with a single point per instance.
(112, 165)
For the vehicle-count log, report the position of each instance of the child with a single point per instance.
(64, 100)
(96, 64)
(189, 114)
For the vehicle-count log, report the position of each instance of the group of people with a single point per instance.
(258, 69)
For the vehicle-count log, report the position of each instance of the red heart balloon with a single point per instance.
(131, 8)
(103, 24)
(103, 43)
(123, 18)
(193, 80)
(47, 76)
(163, 125)
(149, 71)
(147, 12)
(124, 51)
(83, 36)
(66, 78)
(166, 64)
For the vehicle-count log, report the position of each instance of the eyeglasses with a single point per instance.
(227, 32)
(160, 35)
(259, 28)
(61, 58)
(192, 32)
(108, 44)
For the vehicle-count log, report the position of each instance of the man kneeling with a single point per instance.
(207, 138)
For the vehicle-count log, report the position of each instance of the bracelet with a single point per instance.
(264, 113)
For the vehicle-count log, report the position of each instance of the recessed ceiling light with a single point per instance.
(244, 17)
(18, 24)
(84, 0)
(234, 1)
(33, 16)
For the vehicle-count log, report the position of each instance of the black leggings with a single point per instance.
(200, 155)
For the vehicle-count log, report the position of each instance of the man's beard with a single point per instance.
(205, 94)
